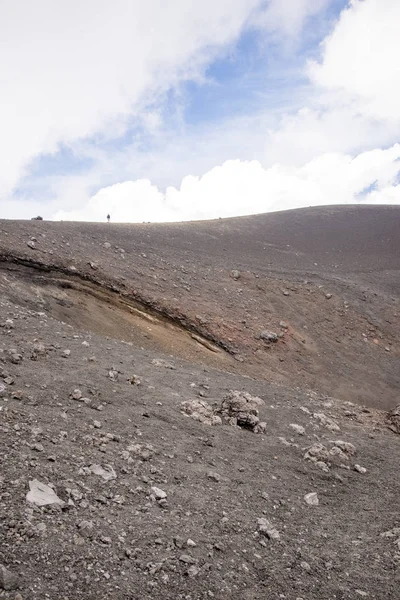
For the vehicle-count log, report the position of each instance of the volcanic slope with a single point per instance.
(325, 280)
(154, 445)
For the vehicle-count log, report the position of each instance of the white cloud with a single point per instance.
(326, 152)
(245, 187)
(360, 60)
(71, 69)
(289, 16)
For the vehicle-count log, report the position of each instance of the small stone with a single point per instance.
(8, 579)
(267, 529)
(326, 422)
(360, 469)
(85, 528)
(96, 424)
(298, 428)
(107, 472)
(193, 571)
(38, 447)
(312, 499)
(345, 447)
(189, 560)
(158, 494)
(268, 336)
(41, 494)
(107, 245)
(322, 465)
(235, 274)
(76, 394)
(328, 296)
(214, 476)
(190, 543)
(66, 353)
(31, 244)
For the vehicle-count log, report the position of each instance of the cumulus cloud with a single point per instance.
(72, 69)
(245, 187)
(337, 146)
(359, 60)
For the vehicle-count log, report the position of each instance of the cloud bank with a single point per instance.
(242, 188)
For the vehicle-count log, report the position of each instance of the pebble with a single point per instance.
(267, 529)
(158, 494)
(298, 428)
(8, 579)
(360, 469)
(312, 499)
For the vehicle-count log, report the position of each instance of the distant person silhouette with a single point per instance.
(108, 218)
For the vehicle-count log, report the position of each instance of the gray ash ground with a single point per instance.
(153, 503)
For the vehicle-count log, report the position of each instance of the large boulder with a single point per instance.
(242, 409)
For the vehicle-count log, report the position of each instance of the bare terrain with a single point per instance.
(200, 410)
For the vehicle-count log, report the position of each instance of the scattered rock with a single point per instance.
(8, 579)
(201, 411)
(326, 422)
(41, 494)
(345, 447)
(159, 362)
(113, 374)
(312, 499)
(360, 469)
(193, 571)
(187, 559)
(66, 353)
(235, 274)
(157, 494)
(214, 476)
(267, 529)
(317, 452)
(76, 394)
(268, 336)
(393, 419)
(240, 408)
(298, 428)
(107, 472)
(31, 244)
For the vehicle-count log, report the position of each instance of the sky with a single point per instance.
(150, 110)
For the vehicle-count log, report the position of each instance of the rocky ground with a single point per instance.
(154, 446)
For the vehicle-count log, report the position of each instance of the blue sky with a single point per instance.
(265, 81)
